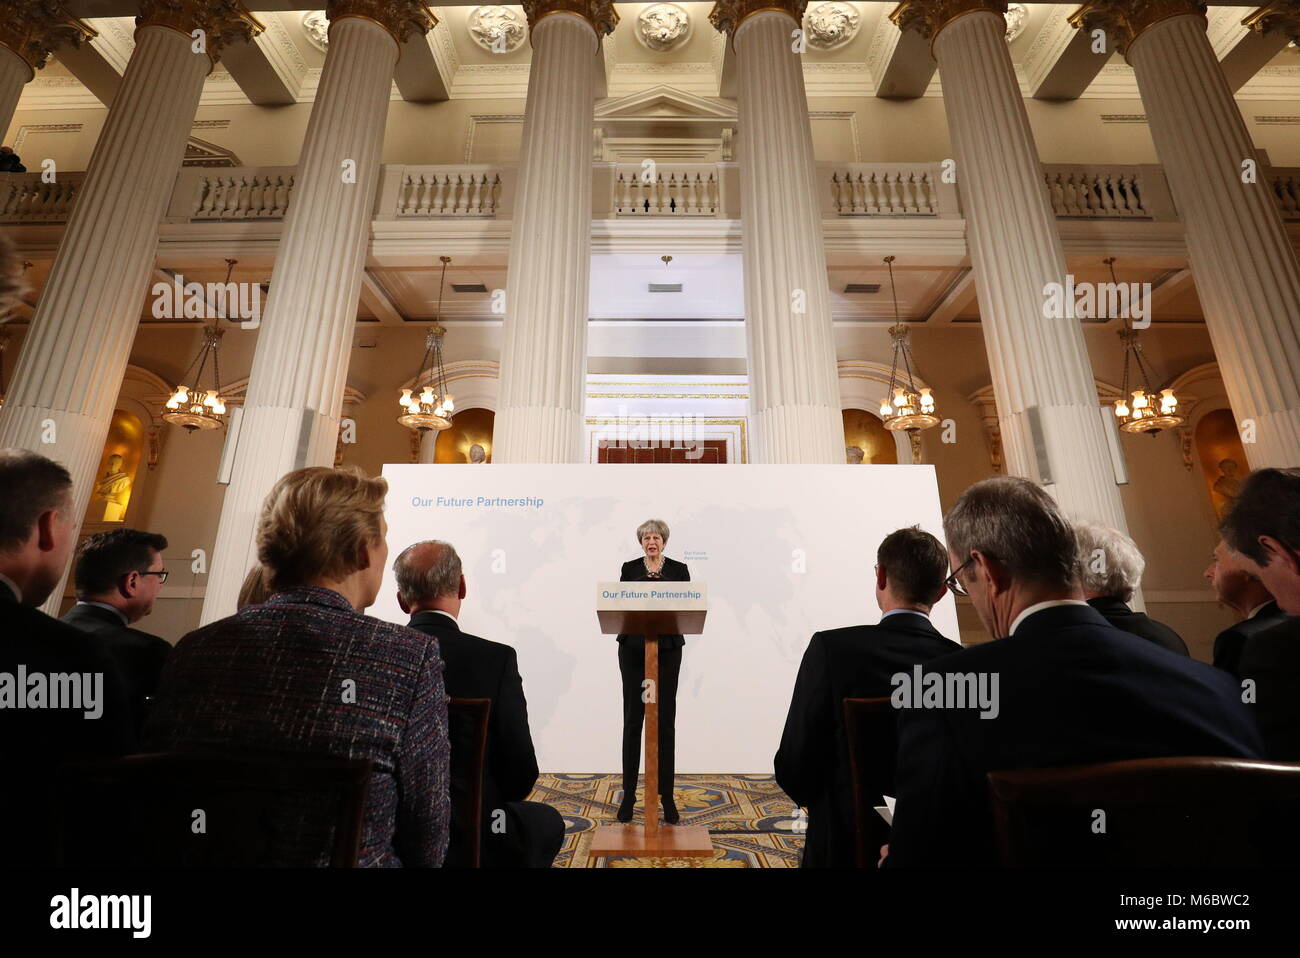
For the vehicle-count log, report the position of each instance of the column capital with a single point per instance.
(929, 17)
(727, 15)
(599, 13)
(1125, 20)
(1283, 17)
(398, 17)
(222, 21)
(34, 30)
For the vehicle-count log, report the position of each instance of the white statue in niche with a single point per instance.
(115, 488)
(853, 455)
(663, 26)
(477, 454)
(831, 25)
(496, 29)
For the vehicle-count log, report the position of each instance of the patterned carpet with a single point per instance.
(751, 821)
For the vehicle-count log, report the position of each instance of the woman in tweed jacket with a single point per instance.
(307, 672)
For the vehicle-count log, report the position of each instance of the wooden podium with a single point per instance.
(654, 608)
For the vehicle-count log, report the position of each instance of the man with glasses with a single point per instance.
(1071, 689)
(118, 576)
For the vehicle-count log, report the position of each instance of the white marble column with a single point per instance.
(73, 358)
(794, 398)
(1247, 277)
(1040, 366)
(29, 34)
(295, 390)
(544, 352)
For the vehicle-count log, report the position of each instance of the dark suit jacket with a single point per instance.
(140, 657)
(673, 571)
(812, 764)
(1072, 690)
(1230, 642)
(34, 742)
(479, 669)
(1118, 614)
(1272, 659)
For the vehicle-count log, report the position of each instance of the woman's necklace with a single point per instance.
(645, 560)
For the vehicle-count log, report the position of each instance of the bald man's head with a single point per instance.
(426, 572)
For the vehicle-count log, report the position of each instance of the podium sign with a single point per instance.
(651, 609)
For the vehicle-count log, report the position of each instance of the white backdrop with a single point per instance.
(786, 550)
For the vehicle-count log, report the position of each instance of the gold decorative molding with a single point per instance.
(929, 17)
(33, 29)
(222, 21)
(1283, 17)
(1125, 20)
(398, 17)
(599, 13)
(727, 15)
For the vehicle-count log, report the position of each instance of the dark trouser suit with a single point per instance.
(631, 665)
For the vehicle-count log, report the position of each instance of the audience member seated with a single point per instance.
(812, 764)
(91, 717)
(1243, 593)
(430, 589)
(118, 576)
(1067, 687)
(1110, 571)
(1263, 528)
(307, 672)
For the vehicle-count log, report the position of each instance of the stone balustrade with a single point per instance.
(27, 198)
(667, 189)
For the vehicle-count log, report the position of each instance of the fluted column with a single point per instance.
(1040, 366)
(295, 390)
(1247, 277)
(30, 30)
(73, 359)
(793, 379)
(544, 353)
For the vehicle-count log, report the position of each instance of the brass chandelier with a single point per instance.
(193, 407)
(432, 407)
(905, 408)
(1141, 410)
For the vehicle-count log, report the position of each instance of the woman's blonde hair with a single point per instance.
(255, 590)
(315, 522)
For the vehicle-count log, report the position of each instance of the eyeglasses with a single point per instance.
(955, 587)
(161, 574)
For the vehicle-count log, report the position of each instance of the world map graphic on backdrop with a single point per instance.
(784, 551)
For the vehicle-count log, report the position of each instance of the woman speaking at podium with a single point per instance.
(654, 565)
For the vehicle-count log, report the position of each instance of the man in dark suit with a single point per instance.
(1263, 528)
(118, 576)
(1110, 571)
(812, 764)
(1242, 592)
(516, 833)
(1067, 688)
(37, 532)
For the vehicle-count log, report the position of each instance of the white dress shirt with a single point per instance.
(1039, 607)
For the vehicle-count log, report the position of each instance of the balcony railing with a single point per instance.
(669, 190)
(26, 198)
(678, 189)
